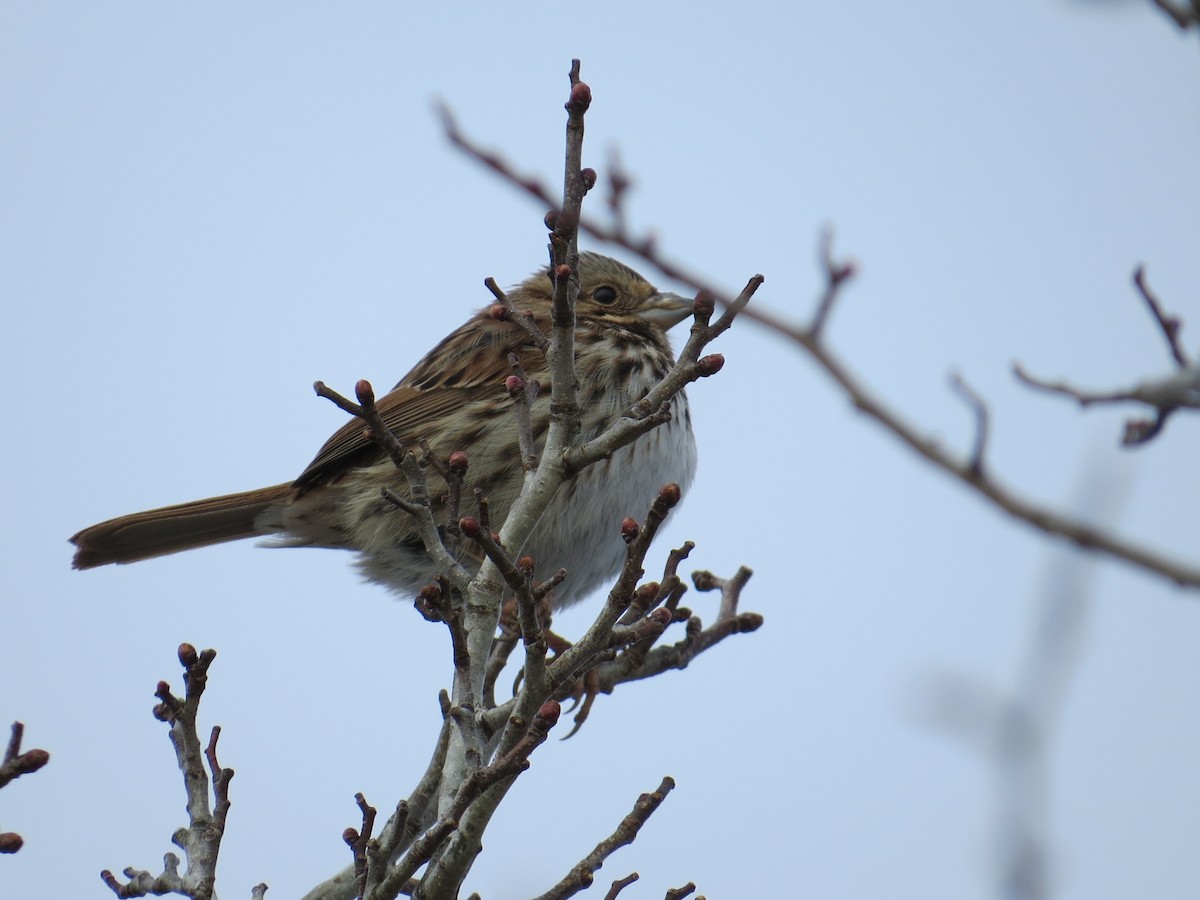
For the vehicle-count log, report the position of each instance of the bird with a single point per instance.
(455, 400)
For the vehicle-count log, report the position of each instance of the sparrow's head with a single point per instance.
(610, 291)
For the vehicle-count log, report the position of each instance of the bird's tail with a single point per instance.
(158, 532)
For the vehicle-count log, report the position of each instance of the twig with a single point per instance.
(835, 274)
(1080, 396)
(523, 391)
(420, 507)
(365, 409)
(1179, 390)
(15, 763)
(697, 640)
(479, 781)
(358, 839)
(583, 873)
(620, 884)
(201, 840)
(518, 575)
(1170, 325)
(12, 766)
(973, 400)
(1182, 16)
(508, 312)
(568, 666)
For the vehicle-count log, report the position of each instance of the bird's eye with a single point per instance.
(604, 295)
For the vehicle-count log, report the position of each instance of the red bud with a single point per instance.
(589, 178)
(364, 392)
(32, 760)
(497, 311)
(549, 712)
(669, 495)
(629, 529)
(562, 272)
(187, 656)
(581, 97)
(469, 526)
(710, 365)
(514, 384)
(704, 304)
(458, 462)
(646, 593)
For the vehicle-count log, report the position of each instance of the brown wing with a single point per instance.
(410, 413)
(468, 366)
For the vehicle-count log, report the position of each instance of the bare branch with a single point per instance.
(583, 873)
(1082, 397)
(201, 840)
(523, 390)
(13, 765)
(509, 313)
(439, 877)
(365, 409)
(1179, 390)
(420, 507)
(835, 274)
(1170, 325)
(638, 665)
(620, 884)
(1183, 16)
(358, 839)
(972, 399)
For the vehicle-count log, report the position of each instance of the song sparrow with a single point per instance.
(455, 399)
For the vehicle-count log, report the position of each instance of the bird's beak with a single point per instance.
(666, 310)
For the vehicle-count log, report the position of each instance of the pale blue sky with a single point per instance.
(207, 208)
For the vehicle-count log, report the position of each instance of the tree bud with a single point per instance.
(630, 529)
(581, 97)
(710, 365)
(549, 712)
